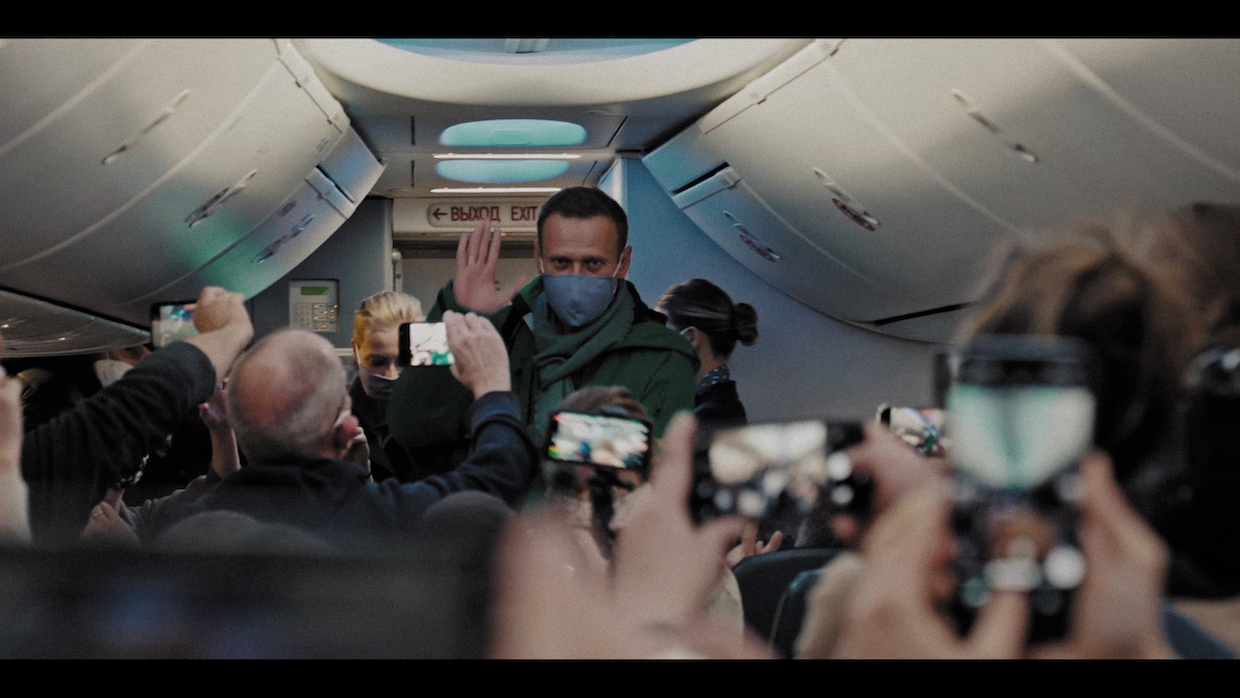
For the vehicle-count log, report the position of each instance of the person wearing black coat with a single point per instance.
(706, 316)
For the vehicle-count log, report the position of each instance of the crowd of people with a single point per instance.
(601, 561)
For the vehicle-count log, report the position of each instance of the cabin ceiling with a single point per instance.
(628, 94)
(869, 179)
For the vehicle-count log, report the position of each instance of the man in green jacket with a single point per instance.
(579, 324)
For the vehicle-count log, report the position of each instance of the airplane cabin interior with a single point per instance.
(861, 194)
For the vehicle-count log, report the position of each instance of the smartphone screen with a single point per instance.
(921, 428)
(599, 440)
(172, 322)
(1021, 416)
(770, 471)
(424, 344)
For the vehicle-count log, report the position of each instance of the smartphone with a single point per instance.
(922, 428)
(424, 344)
(172, 322)
(579, 445)
(1021, 415)
(599, 440)
(774, 471)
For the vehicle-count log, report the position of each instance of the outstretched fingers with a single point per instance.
(492, 251)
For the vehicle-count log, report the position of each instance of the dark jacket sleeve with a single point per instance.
(503, 461)
(155, 515)
(669, 390)
(70, 462)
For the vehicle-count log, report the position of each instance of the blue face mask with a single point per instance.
(579, 299)
(375, 386)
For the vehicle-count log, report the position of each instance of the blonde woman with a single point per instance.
(376, 329)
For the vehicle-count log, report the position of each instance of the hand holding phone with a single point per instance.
(921, 428)
(1022, 417)
(614, 451)
(425, 344)
(1118, 612)
(172, 322)
(767, 471)
(599, 440)
(879, 471)
(892, 613)
(480, 359)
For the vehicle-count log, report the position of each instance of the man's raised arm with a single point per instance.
(477, 263)
(71, 461)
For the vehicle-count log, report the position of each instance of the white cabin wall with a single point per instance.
(804, 362)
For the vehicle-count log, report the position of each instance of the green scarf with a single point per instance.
(560, 355)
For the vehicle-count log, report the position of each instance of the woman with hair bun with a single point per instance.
(706, 316)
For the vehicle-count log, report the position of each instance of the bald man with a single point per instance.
(289, 406)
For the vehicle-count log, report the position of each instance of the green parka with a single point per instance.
(428, 405)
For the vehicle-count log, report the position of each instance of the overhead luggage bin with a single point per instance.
(862, 207)
(739, 221)
(158, 166)
(32, 327)
(906, 167)
(315, 210)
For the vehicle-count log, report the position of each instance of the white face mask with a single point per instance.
(375, 386)
(108, 371)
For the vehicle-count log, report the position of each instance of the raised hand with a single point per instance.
(1118, 609)
(107, 526)
(896, 471)
(665, 567)
(476, 285)
(218, 308)
(224, 328)
(892, 613)
(553, 603)
(750, 545)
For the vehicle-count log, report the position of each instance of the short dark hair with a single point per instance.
(585, 202)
